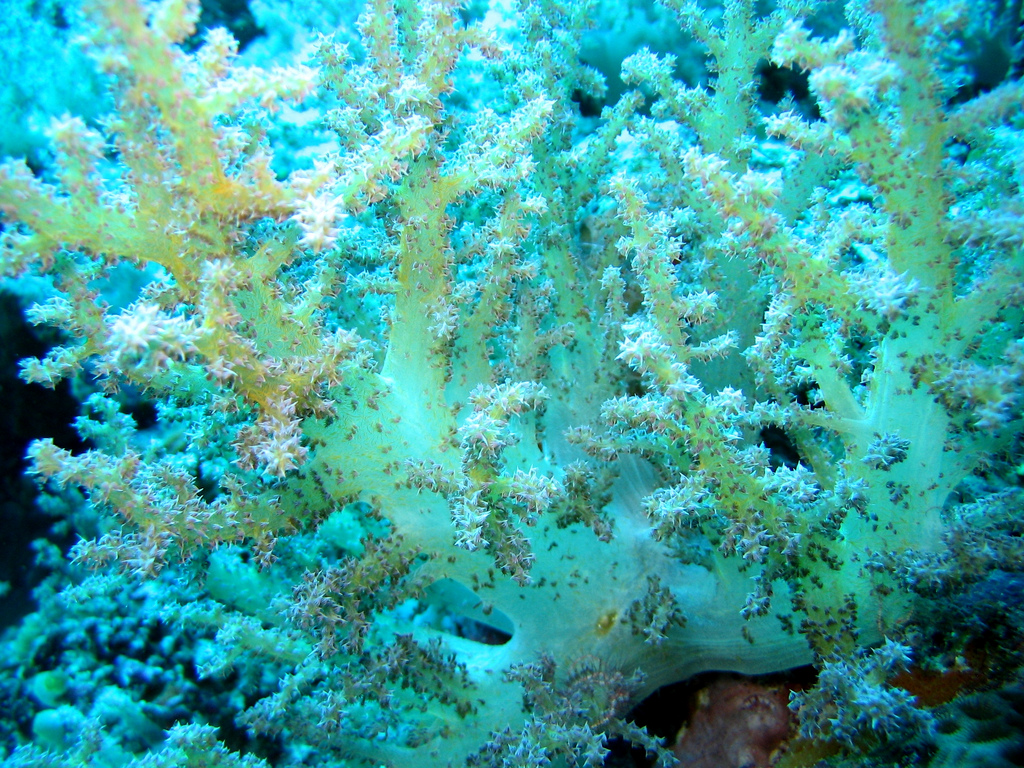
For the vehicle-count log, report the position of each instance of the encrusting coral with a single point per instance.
(737, 724)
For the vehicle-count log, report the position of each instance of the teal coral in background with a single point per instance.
(43, 74)
(477, 417)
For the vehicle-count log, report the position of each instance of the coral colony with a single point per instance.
(488, 401)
